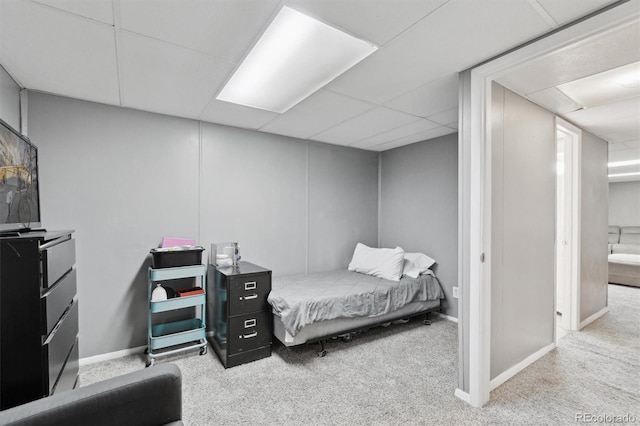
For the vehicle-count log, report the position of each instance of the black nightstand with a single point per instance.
(241, 315)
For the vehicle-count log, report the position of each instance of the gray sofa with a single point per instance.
(624, 255)
(152, 396)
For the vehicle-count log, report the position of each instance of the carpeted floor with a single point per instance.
(406, 374)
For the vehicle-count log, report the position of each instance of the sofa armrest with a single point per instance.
(152, 396)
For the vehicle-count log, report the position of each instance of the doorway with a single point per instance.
(475, 249)
(567, 227)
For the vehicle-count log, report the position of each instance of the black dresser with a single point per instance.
(38, 316)
(241, 315)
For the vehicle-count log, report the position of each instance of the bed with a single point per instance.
(319, 306)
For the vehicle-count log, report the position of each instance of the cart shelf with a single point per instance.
(172, 337)
(161, 274)
(176, 333)
(178, 303)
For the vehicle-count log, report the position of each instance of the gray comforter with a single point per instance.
(301, 300)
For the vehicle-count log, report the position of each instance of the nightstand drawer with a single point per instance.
(248, 293)
(247, 332)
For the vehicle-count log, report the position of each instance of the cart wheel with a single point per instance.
(150, 362)
(322, 353)
(203, 350)
(347, 337)
(426, 322)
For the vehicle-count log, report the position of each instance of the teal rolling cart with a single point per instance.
(177, 336)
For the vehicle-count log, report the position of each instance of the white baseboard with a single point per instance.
(463, 395)
(520, 366)
(112, 355)
(448, 317)
(594, 317)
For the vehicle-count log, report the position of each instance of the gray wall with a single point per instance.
(9, 100)
(594, 189)
(123, 179)
(624, 203)
(522, 229)
(342, 203)
(419, 206)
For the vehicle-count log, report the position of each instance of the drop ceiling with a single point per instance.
(174, 56)
(595, 85)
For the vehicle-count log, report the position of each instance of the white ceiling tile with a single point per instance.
(236, 115)
(59, 53)
(616, 146)
(164, 78)
(554, 100)
(619, 118)
(222, 28)
(453, 125)
(456, 36)
(418, 137)
(623, 155)
(626, 132)
(377, 21)
(317, 113)
(635, 144)
(568, 10)
(410, 129)
(603, 52)
(370, 123)
(430, 99)
(99, 10)
(445, 117)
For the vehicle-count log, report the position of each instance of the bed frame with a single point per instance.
(345, 328)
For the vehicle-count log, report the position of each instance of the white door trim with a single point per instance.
(475, 183)
(572, 293)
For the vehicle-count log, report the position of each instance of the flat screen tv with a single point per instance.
(19, 191)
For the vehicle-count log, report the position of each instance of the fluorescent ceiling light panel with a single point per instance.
(606, 87)
(296, 56)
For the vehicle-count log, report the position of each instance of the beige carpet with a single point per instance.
(406, 375)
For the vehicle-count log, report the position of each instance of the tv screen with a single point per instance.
(19, 192)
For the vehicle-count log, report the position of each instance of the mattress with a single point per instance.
(302, 300)
(338, 326)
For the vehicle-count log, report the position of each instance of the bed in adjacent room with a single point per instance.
(380, 286)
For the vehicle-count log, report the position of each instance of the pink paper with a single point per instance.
(173, 242)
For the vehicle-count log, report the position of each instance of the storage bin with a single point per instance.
(162, 258)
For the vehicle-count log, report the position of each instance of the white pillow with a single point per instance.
(383, 263)
(416, 264)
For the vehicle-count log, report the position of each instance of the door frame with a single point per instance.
(571, 292)
(474, 230)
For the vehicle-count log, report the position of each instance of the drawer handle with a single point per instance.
(249, 336)
(249, 297)
(250, 323)
(250, 285)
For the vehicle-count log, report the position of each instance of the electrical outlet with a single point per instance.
(455, 292)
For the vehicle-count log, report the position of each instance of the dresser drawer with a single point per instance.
(58, 345)
(55, 301)
(248, 293)
(57, 260)
(69, 375)
(250, 331)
